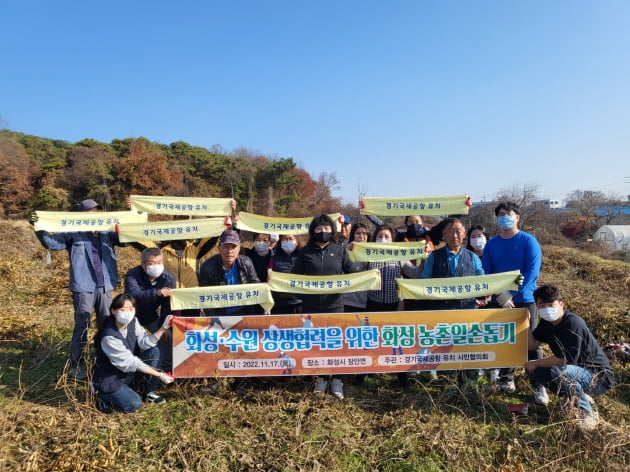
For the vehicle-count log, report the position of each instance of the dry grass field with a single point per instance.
(49, 422)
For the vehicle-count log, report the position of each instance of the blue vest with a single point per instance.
(441, 270)
(107, 378)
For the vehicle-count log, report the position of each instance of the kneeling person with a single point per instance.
(578, 367)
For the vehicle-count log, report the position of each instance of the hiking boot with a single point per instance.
(337, 388)
(506, 385)
(153, 397)
(321, 385)
(540, 395)
(587, 420)
(77, 373)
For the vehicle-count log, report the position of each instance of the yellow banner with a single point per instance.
(74, 221)
(324, 284)
(457, 288)
(379, 252)
(171, 230)
(195, 206)
(403, 206)
(268, 224)
(222, 296)
(349, 343)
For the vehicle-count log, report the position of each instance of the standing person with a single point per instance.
(283, 260)
(578, 367)
(93, 276)
(229, 267)
(150, 285)
(323, 256)
(260, 254)
(453, 260)
(123, 348)
(357, 301)
(345, 228)
(513, 249)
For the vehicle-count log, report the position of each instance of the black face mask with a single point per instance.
(323, 237)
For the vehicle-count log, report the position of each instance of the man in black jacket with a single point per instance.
(229, 268)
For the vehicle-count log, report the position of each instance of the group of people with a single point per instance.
(578, 367)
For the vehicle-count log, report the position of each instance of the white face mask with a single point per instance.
(288, 246)
(155, 270)
(478, 243)
(261, 248)
(550, 313)
(383, 240)
(125, 317)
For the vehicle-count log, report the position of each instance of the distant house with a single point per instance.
(616, 237)
(548, 204)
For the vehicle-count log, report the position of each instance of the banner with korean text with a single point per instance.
(324, 284)
(402, 206)
(171, 230)
(320, 344)
(457, 288)
(222, 296)
(378, 252)
(183, 206)
(74, 221)
(269, 224)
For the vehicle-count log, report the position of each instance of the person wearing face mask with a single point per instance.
(513, 249)
(577, 367)
(323, 256)
(150, 284)
(260, 253)
(124, 348)
(283, 260)
(357, 301)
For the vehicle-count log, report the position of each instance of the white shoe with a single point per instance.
(321, 385)
(506, 385)
(588, 420)
(540, 395)
(337, 388)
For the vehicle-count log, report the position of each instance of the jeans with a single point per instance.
(125, 399)
(84, 303)
(570, 381)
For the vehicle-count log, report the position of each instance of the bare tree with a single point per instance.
(524, 195)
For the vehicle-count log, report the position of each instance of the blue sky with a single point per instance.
(398, 98)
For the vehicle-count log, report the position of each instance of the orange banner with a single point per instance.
(347, 343)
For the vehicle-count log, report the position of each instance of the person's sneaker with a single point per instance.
(78, 372)
(153, 397)
(540, 395)
(588, 420)
(337, 388)
(321, 385)
(494, 375)
(506, 385)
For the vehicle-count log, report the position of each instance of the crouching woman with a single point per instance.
(124, 348)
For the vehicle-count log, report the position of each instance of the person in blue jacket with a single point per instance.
(93, 276)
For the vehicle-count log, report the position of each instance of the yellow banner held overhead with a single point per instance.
(171, 230)
(75, 221)
(268, 224)
(379, 252)
(403, 206)
(194, 206)
(222, 296)
(457, 288)
(324, 284)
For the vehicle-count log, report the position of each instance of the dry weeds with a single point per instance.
(49, 422)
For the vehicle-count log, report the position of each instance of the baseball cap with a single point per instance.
(230, 236)
(87, 205)
(346, 219)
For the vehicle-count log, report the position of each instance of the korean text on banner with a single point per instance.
(402, 206)
(457, 288)
(324, 284)
(378, 252)
(74, 221)
(321, 344)
(171, 230)
(195, 206)
(222, 296)
(268, 224)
